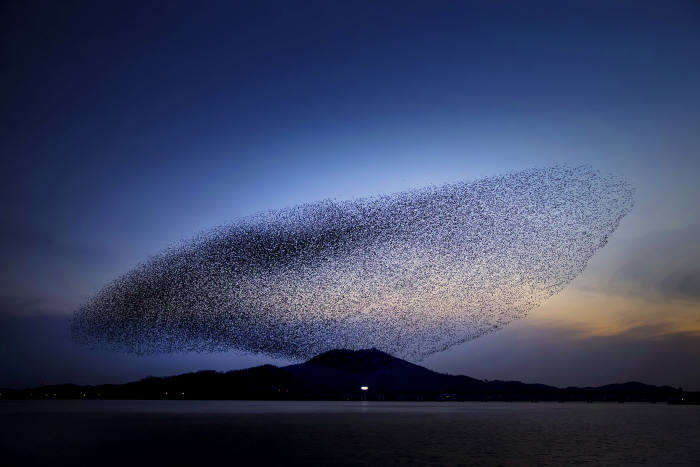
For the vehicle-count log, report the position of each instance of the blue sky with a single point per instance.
(131, 126)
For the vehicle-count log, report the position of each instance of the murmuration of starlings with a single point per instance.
(410, 273)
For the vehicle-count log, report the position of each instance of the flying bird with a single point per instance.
(410, 273)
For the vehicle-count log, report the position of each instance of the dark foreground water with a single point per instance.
(203, 433)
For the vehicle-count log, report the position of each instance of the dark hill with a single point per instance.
(339, 375)
(357, 361)
(343, 372)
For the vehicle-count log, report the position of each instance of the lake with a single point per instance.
(128, 433)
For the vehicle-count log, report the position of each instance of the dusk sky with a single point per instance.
(129, 126)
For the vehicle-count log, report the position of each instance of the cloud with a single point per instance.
(36, 349)
(661, 265)
(56, 268)
(682, 284)
(565, 356)
(582, 313)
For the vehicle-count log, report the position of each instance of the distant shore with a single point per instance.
(346, 375)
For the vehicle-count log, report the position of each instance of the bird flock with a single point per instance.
(410, 273)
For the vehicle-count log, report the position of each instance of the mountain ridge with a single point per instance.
(340, 374)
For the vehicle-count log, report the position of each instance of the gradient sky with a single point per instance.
(129, 126)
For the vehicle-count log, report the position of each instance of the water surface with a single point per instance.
(346, 433)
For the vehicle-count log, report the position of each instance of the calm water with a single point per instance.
(346, 433)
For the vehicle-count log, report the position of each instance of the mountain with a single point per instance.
(342, 375)
(345, 371)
